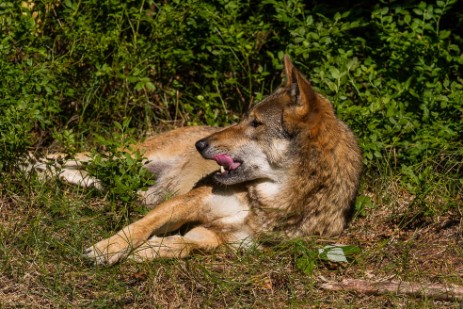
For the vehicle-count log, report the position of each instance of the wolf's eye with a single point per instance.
(255, 123)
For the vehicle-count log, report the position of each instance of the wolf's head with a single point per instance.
(263, 143)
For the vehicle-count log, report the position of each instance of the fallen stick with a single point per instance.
(435, 291)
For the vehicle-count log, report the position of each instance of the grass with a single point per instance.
(44, 228)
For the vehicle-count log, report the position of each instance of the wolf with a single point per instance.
(290, 167)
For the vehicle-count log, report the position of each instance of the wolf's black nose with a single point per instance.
(201, 145)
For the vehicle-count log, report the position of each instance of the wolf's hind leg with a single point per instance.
(176, 246)
(72, 170)
(80, 178)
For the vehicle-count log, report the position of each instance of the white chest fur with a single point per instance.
(228, 209)
(268, 189)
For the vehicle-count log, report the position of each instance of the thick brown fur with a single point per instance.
(289, 167)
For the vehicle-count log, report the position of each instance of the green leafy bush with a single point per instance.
(119, 168)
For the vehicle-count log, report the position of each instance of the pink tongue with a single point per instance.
(226, 161)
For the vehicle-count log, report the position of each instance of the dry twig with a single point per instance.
(436, 291)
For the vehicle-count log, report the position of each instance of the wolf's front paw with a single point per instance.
(109, 251)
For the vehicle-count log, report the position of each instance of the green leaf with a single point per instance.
(338, 253)
(407, 18)
(444, 34)
(335, 72)
(150, 86)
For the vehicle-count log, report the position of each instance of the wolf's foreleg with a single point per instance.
(167, 216)
(177, 246)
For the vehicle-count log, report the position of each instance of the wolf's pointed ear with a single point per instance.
(303, 96)
(288, 70)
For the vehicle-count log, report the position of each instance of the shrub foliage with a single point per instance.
(393, 70)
